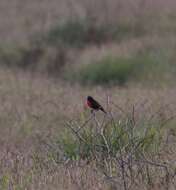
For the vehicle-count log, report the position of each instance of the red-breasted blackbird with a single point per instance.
(94, 104)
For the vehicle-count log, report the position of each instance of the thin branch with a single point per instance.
(75, 132)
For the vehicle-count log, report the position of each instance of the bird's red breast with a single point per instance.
(89, 104)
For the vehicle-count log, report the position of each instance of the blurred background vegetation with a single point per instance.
(91, 42)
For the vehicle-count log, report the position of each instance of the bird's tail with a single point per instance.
(102, 109)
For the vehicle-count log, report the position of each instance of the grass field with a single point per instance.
(52, 56)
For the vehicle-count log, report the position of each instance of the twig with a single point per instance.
(84, 124)
(75, 132)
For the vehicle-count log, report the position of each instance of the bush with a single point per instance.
(109, 69)
(114, 146)
(77, 34)
(34, 58)
(112, 70)
(22, 57)
(96, 140)
(80, 33)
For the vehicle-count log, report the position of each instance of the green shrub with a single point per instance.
(91, 142)
(111, 70)
(113, 145)
(107, 70)
(77, 34)
(34, 58)
(22, 57)
(120, 70)
(80, 33)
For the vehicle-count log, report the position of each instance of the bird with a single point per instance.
(92, 103)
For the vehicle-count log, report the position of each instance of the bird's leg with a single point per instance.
(92, 112)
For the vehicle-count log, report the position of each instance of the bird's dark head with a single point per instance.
(89, 98)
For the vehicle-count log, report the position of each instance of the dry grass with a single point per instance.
(19, 20)
(34, 109)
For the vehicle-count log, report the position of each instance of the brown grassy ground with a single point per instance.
(19, 20)
(34, 107)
